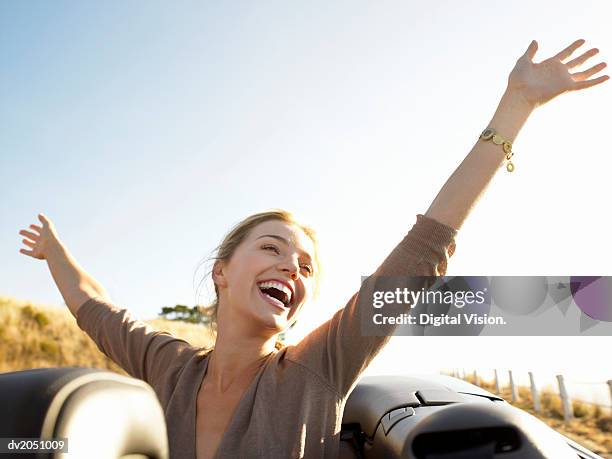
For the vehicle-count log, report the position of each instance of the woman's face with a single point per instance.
(276, 256)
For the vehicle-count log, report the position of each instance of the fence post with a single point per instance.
(497, 391)
(475, 377)
(567, 406)
(535, 395)
(513, 388)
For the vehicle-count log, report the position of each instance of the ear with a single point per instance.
(218, 274)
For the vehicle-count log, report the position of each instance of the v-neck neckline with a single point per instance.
(201, 376)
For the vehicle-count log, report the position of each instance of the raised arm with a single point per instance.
(143, 352)
(529, 86)
(73, 282)
(337, 350)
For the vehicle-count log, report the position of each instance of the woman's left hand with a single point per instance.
(539, 83)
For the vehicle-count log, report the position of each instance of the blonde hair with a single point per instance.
(239, 233)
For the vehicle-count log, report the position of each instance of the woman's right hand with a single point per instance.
(537, 83)
(40, 239)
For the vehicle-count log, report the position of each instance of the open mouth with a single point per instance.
(277, 293)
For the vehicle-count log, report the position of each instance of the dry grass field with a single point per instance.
(39, 336)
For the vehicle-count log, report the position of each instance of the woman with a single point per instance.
(248, 397)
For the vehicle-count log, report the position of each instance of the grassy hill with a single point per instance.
(39, 336)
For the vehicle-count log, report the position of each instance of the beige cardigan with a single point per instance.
(294, 406)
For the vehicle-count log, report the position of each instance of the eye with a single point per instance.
(308, 268)
(275, 249)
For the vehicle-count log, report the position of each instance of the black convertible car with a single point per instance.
(428, 417)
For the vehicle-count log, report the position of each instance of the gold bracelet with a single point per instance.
(491, 134)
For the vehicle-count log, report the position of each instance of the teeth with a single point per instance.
(278, 286)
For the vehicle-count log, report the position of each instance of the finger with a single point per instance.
(36, 228)
(582, 58)
(28, 243)
(531, 50)
(43, 219)
(567, 52)
(581, 76)
(589, 83)
(29, 234)
(27, 252)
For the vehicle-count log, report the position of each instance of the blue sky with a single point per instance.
(145, 130)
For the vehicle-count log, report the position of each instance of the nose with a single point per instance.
(292, 267)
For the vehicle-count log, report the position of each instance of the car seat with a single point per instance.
(101, 414)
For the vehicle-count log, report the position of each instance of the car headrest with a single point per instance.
(376, 396)
(101, 414)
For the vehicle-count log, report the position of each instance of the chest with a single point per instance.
(213, 415)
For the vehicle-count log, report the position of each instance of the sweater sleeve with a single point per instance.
(337, 350)
(134, 345)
